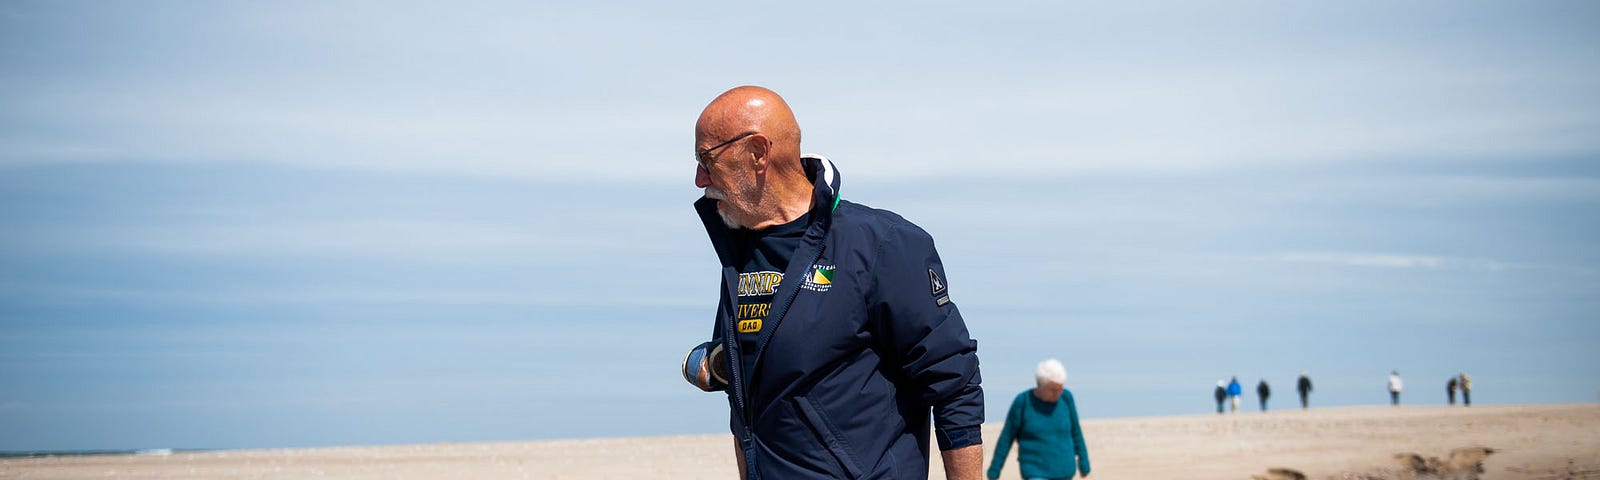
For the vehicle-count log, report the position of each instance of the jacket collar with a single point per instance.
(825, 182)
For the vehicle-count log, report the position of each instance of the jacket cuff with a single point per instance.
(953, 438)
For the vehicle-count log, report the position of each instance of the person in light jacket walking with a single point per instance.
(1395, 386)
(1234, 392)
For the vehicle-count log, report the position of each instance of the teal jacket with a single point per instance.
(1050, 439)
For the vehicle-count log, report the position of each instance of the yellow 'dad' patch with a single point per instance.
(750, 326)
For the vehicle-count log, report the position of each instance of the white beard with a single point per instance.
(727, 217)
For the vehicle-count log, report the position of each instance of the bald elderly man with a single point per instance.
(835, 336)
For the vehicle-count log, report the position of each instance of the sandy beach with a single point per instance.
(1529, 442)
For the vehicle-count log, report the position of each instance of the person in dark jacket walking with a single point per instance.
(1450, 390)
(1304, 387)
(1263, 391)
(835, 338)
(1043, 422)
(1221, 394)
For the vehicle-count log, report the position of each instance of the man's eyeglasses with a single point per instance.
(703, 157)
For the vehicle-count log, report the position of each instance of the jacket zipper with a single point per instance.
(762, 347)
(735, 368)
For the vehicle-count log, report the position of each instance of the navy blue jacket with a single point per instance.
(865, 343)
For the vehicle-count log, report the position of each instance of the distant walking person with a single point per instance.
(1450, 389)
(1466, 389)
(1234, 392)
(1304, 387)
(1044, 424)
(1395, 386)
(1263, 391)
(1222, 394)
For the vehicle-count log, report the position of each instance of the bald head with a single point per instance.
(747, 144)
(753, 109)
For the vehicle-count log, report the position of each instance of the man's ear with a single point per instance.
(760, 147)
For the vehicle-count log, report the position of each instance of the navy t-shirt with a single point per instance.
(763, 256)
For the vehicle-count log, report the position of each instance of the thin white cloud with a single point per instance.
(1382, 260)
(1413, 261)
(1247, 115)
(523, 295)
(508, 242)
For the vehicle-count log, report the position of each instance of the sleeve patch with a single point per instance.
(935, 282)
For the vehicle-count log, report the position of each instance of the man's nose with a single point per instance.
(702, 178)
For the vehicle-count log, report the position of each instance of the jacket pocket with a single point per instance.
(814, 417)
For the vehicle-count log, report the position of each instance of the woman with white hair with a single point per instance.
(1043, 421)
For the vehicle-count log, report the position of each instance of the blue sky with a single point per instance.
(239, 225)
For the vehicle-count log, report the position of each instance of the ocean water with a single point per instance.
(154, 452)
(162, 306)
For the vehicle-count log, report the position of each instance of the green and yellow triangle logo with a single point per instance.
(822, 276)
